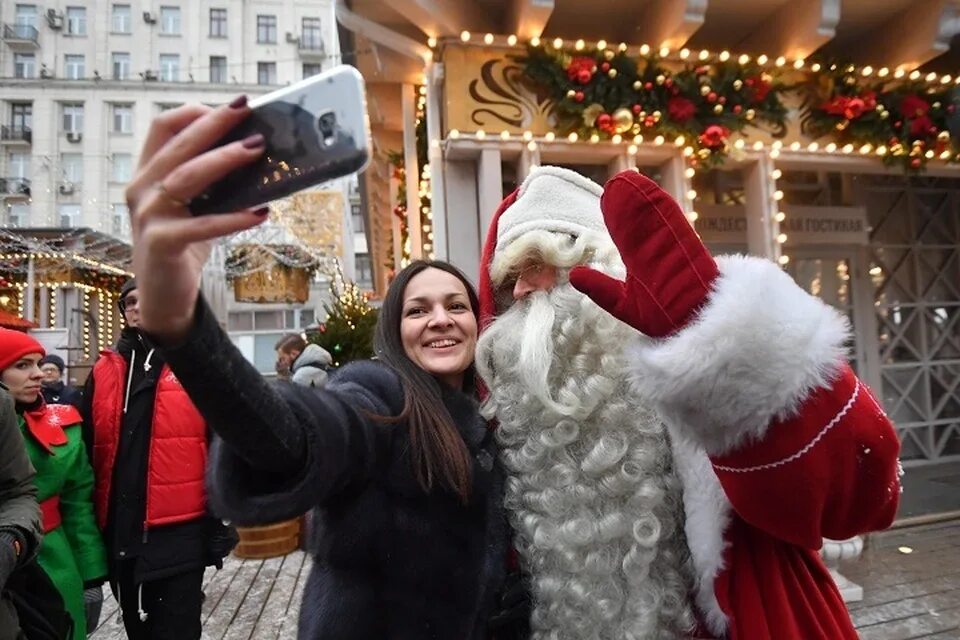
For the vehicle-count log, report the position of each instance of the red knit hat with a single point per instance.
(14, 345)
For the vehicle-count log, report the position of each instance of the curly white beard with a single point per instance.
(591, 489)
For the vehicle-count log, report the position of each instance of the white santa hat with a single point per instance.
(551, 203)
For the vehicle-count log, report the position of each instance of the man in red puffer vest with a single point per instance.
(148, 445)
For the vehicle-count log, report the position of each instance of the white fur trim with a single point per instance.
(552, 199)
(707, 511)
(755, 351)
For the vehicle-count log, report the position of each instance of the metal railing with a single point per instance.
(11, 133)
(21, 32)
(15, 186)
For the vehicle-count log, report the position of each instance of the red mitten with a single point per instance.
(669, 271)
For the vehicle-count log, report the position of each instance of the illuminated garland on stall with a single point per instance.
(699, 100)
(397, 163)
(904, 123)
(611, 95)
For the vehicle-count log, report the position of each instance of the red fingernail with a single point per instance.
(239, 101)
(262, 211)
(254, 141)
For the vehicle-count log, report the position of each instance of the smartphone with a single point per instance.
(315, 130)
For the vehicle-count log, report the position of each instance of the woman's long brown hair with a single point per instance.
(439, 452)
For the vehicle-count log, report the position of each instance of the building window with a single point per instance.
(170, 67)
(19, 215)
(121, 65)
(266, 73)
(72, 118)
(311, 69)
(123, 118)
(77, 21)
(363, 270)
(18, 165)
(24, 65)
(120, 18)
(170, 21)
(69, 215)
(122, 168)
(71, 167)
(310, 38)
(218, 69)
(121, 219)
(266, 29)
(74, 67)
(26, 15)
(218, 23)
(356, 218)
(21, 115)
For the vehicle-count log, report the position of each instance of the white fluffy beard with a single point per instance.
(591, 490)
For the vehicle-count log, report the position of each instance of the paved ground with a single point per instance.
(907, 596)
(934, 489)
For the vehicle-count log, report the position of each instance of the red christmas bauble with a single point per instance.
(737, 108)
(668, 82)
(648, 86)
(578, 96)
(915, 163)
(605, 67)
(603, 121)
(722, 99)
(711, 97)
(637, 108)
(584, 76)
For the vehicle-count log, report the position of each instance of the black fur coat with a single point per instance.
(391, 561)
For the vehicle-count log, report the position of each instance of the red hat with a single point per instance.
(16, 344)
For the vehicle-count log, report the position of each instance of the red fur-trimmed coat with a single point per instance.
(778, 445)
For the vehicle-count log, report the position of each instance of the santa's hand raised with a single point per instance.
(669, 271)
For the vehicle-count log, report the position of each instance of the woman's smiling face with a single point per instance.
(438, 327)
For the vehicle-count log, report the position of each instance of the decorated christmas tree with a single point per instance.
(347, 333)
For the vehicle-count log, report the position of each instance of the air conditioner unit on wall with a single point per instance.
(292, 39)
(66, 188)
(149, 18)
(149, 75)
(74, 136)
(54, 19)
(46, 73)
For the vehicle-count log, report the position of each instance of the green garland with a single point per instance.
(609, 93)
(907, 121)
(603, 94)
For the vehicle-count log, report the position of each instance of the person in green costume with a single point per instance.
(72, 551)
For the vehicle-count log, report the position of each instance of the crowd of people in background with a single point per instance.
(618, 436)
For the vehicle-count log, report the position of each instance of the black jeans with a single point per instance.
(171, 605)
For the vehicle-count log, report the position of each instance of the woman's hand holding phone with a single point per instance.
(170, 246)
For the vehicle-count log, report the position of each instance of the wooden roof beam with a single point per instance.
(796, 30)
(445, 17)
(932, 23)
(528, 18)
(670, 23)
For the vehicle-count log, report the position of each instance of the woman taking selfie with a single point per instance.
(393, 455)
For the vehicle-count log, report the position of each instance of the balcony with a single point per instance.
(15, 187)
(15, 135)
(311, 48)
(21, 37)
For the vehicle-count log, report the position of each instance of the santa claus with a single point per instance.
(680, 432)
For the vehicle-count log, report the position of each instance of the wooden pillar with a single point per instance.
(408, 99)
